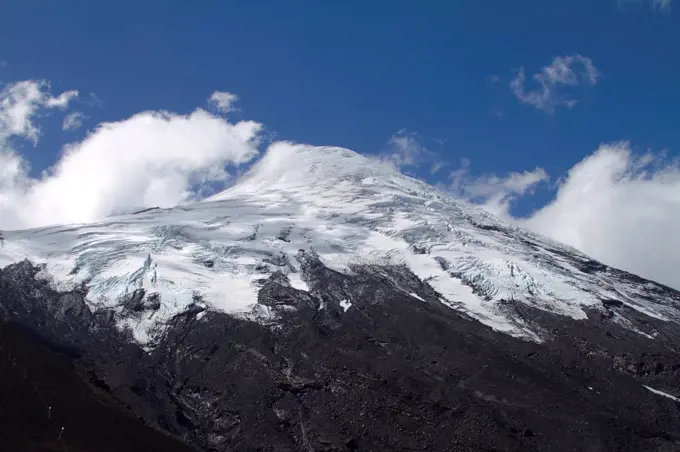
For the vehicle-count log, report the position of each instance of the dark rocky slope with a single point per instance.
(41, 391)
(391, 372)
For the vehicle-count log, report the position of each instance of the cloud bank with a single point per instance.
(615, 206)
(149, 159)
(621, 209)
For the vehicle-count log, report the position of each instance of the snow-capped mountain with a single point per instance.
(326, 302)
(348, 210)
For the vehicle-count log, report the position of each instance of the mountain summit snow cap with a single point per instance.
(299, 163)
(292, 166)
(352, 210)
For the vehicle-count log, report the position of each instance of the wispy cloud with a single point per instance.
(406, 149)
(21, 101)
(73, 121)
(564, 71)
(223, 101)
(94, 101)
(495, 193)
(62, 100)
(662, 5)
(494, 79)
(411, 152)
(437, 166)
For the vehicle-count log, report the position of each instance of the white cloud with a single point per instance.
(150, 159)
(62, 100)
(20, 102)
(495, 193)
(406, 149)
(567, 71)
(223, 101)
(73, 121)
(621, 209)
(617, 207)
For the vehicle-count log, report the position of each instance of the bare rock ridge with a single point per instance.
(328, 303)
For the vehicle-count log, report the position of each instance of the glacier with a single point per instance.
(346, 208)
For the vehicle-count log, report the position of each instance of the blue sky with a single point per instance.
(355, 73)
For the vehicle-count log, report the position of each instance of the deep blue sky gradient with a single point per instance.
(352, 73)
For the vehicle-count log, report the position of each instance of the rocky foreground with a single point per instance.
(367, 361)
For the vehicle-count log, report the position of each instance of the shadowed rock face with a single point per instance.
(49, 404)
(371, 361)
